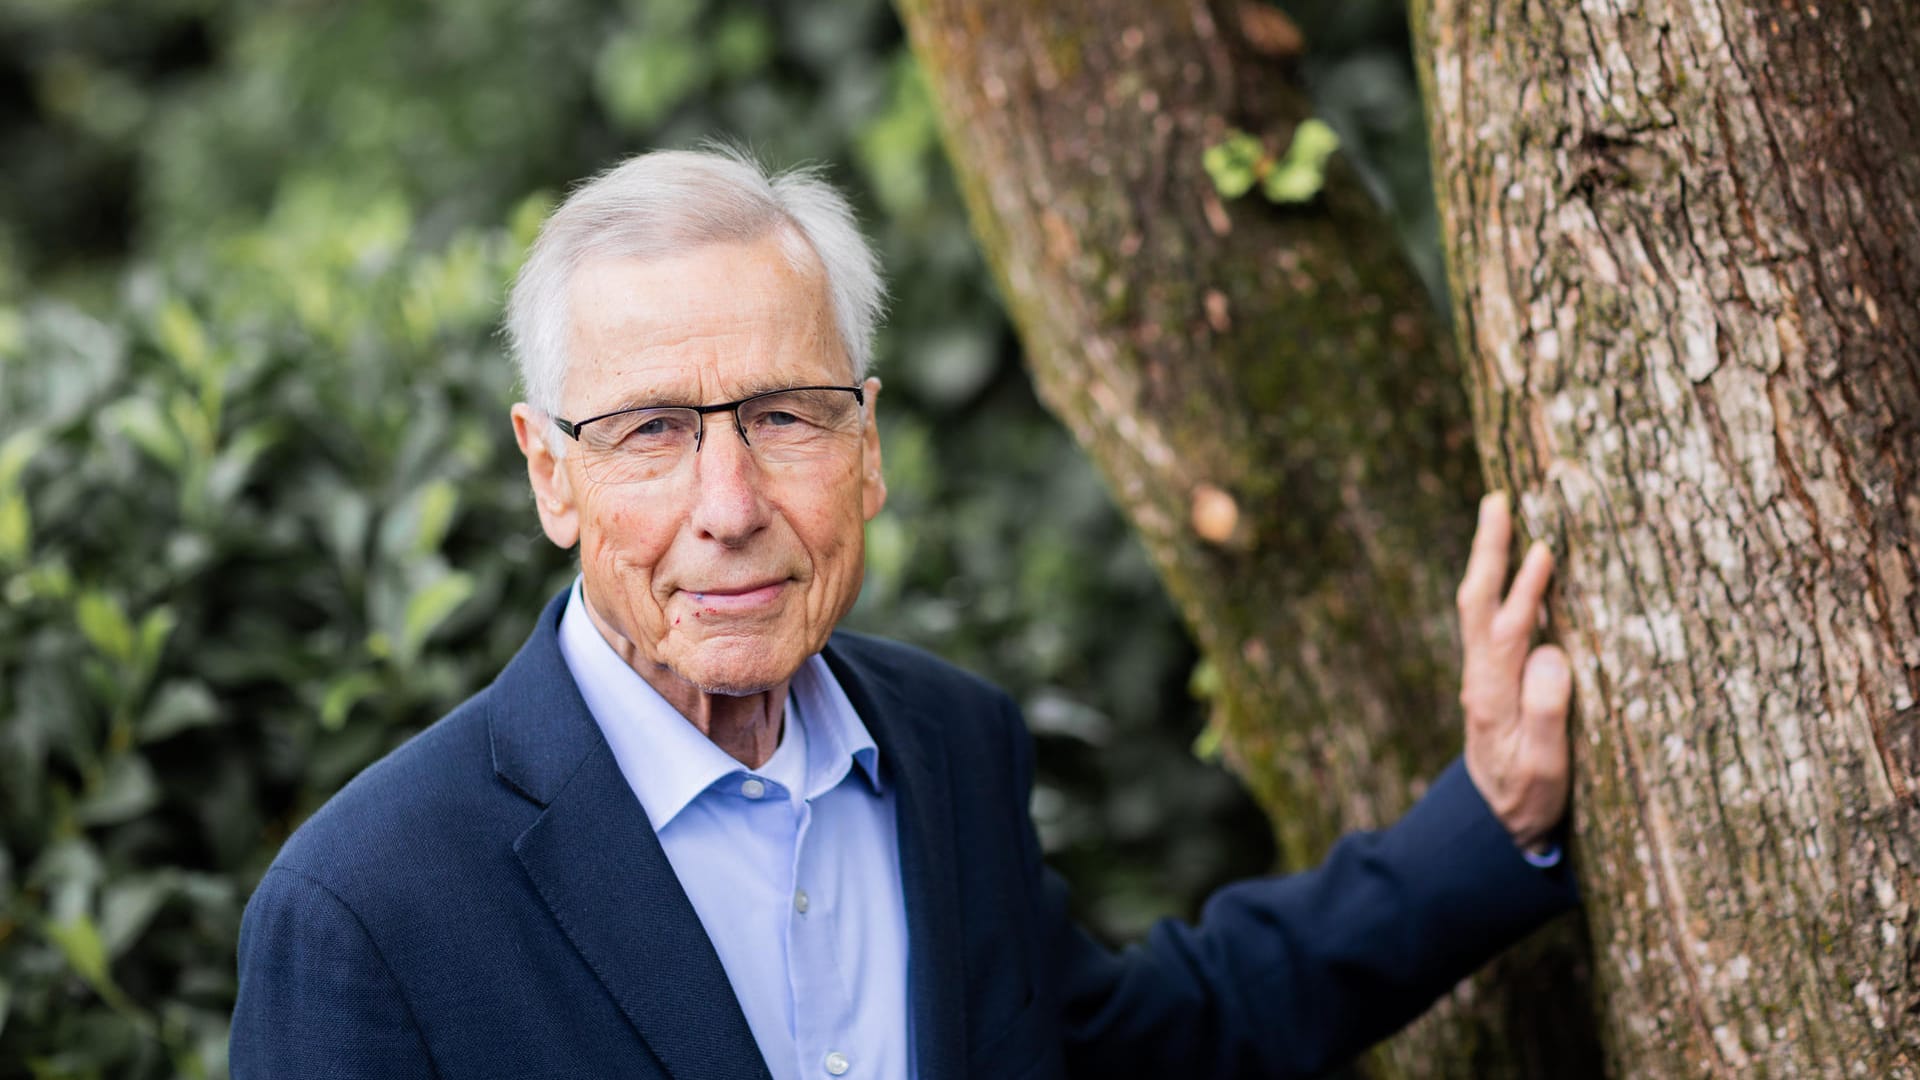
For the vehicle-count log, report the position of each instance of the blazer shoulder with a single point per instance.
(914, 671)
(426, 802)
(929, 701)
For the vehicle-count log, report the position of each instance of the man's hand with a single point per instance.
(1516, 700)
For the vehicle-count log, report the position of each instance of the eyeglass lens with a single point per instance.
(784, 427)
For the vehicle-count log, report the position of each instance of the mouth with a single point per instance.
(736, 598)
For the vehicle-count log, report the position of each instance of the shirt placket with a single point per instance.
(822, 996)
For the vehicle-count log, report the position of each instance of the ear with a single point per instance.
(552, 483)
(873, 484)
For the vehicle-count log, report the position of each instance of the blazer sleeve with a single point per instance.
(316, 997)
(1290, 976)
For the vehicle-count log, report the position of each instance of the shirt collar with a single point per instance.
(836, 739)
(666, 760)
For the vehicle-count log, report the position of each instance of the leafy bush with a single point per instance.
(261, 517)
(256, 530)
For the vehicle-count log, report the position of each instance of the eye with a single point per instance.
(779, 418)
(660, 430)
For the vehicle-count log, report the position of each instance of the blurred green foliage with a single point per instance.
(1238, 162)
(261, 517)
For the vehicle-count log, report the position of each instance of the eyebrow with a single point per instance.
(644, 401)
(648, 400)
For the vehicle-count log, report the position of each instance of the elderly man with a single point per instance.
(692, 831)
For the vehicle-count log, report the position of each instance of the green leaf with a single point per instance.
(16, 529)
(1234, 163)
(523, 224)
(234, 463)
(69, 865)
(179, 705)
(183, 338)
(427, 609)
(140, 422)
(126, 790)
(1303, 171)
(1204, 683)
(742, 43)
(896, 148)
(433, 510)
(6, 1001)
(155, 629)
(128, 906)
(106, 626)
(642, 77)
(195, 419)
(344, 693)
(16, 453)
(1208, 744)
(889, 547)
(79, 941)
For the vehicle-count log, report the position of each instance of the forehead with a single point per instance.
(720, 321)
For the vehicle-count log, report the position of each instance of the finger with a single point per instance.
(1520, 612)
(1546, 690)
(1479, 595)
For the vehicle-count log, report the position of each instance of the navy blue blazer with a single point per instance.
(489, 900)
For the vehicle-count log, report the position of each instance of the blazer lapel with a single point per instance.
(902, 731)
(596, 863)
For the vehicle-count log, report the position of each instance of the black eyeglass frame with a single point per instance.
(572, 427)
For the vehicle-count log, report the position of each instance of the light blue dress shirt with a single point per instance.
(793, 868)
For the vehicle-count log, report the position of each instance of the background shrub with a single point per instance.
(261, 517)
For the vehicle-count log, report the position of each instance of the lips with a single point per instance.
(737, 597)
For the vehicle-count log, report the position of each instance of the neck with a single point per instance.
(746, 726)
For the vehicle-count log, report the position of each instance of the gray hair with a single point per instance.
(669, 202)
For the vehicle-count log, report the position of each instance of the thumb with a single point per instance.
(1546, 687)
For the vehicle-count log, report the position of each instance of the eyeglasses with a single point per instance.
(789, 426)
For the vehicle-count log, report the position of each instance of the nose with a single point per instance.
(727, 503)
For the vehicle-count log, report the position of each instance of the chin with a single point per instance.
(738, 669)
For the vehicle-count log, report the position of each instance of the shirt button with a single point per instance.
(800, 901)
(837, 1063)
(752, 788)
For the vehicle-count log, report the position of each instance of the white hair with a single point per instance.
(669, 202)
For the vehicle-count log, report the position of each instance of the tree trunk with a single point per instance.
(1685, 245)
(1275, 407)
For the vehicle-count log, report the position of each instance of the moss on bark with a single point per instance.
(1285, 357)
(1685, 241)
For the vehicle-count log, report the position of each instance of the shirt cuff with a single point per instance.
(1543, 859)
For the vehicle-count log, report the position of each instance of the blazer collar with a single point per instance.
(906, 728)
(596, 863)
(538, 724)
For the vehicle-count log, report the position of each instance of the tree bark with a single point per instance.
(1685, 246)
(1274, 405)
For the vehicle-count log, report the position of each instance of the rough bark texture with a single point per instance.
(1685, 244)
(1272, 378)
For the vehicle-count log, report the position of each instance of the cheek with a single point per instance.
(624, 541)
(836, 543)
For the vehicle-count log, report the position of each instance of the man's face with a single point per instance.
(727, 573)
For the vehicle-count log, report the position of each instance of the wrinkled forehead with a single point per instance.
(725, 318)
